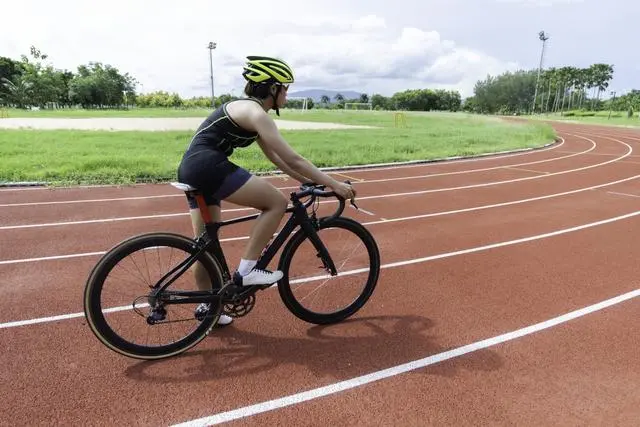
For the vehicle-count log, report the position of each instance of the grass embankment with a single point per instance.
(65, 157)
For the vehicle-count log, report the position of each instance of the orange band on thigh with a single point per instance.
(204, 209)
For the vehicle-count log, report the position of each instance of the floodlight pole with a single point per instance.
(611, 104)
(543, 37)
(211, 46)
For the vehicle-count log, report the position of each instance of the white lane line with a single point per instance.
(355, 382)
(514, 202)
(363, 210)
(91, 221)
(527, 170)
(290, 188)
(489, 184)
(87, 254)
(65, 202)
(623, 194)
(389, 265)
(383, 220)
(468, 171)
(437, 190)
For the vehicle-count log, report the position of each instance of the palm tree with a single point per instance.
(324, 99)
(19, 90)
(582, 81)
(603, 73)
(592, 81)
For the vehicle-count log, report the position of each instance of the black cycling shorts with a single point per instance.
(213, 174)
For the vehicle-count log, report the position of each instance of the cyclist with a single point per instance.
(206, 165)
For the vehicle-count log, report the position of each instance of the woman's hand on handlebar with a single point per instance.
(344, 190)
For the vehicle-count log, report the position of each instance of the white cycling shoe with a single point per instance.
(224, 320)
(260, 277)
(202, 310)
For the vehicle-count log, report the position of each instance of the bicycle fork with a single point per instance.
(323, 253)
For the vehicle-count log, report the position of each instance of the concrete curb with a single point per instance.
(332, 168)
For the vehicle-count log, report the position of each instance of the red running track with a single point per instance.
(508, 295)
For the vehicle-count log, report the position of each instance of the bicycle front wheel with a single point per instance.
(117, 302)
(310, 292)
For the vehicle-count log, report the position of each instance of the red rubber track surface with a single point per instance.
(471, 250)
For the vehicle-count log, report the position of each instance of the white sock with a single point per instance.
(246, 266)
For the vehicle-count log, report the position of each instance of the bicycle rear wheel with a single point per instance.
(304, 283)
(104, 310)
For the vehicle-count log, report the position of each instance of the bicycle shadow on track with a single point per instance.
(354, 347)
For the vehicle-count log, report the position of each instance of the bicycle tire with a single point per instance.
(284, 287)
(93, 288)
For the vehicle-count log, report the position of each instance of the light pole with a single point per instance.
(212, 45)
(611, 104)
(543, 37)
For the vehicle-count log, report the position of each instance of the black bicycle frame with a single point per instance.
(299, 217)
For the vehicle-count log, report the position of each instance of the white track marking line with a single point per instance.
(606, 154)
(526, 170)
(389, 265)
(383, 220)
(489, 184)
(605, 134)
(437, 190)
(91, 221)
(496, 205)
(87, 254)
(623, 194)
(362, 210)
(363, 181)
(351, 178)
(247, 411)
(65, 202)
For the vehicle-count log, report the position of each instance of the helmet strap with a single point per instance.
(275, 99)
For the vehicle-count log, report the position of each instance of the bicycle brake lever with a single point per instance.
(353, 202)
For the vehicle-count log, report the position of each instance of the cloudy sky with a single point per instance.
(374, 46)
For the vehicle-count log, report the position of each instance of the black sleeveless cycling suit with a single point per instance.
(206, 165)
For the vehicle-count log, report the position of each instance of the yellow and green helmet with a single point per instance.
(264, 69)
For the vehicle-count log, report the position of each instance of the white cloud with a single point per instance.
(369, 22)
(163, 44)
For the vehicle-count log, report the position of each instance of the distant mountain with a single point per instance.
(316, 94)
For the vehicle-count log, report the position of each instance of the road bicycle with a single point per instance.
(301, 230)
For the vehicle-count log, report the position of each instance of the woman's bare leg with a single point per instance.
(203, 281)
(260, 194)
(202, 278)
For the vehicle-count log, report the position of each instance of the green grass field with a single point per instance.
(96, 157)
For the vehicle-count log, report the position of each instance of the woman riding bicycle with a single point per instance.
(206, 166)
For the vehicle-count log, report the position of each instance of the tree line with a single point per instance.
(32, 82)
(558, 89)
(410, 100)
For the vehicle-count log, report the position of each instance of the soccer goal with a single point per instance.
(297, 103)
(358, 106)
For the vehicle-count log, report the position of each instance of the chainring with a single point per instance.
(239, 308)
